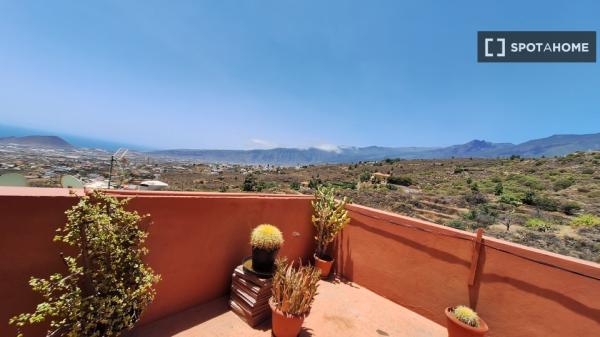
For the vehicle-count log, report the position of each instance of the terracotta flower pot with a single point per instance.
(457, 328)
(263, 260)
(285, 325)
(323, 265)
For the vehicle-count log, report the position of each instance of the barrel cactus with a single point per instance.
(267, 237)
(466, 315)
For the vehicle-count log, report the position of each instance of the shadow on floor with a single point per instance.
(173, 324)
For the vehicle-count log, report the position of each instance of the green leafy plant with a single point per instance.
(294, 289)
(108, 285)
(466, 315)
(586, 220)
(267, 237)
(329, 218)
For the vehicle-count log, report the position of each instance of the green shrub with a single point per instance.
(499, 188)
(529, 198)
(346, 185)
(586, 220)
(510, 199)
(546, 203)
(543, 202)
(455, 223)
(365, 176)
(538, 225)
(109, 285)
(588, 170)
(531, 182)
(295, 185)
(476, 198)
(314, 183)
(563, 183)
(570, 207)
(249, 184)
(400, 180)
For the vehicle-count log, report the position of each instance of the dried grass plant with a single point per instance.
(294, 289)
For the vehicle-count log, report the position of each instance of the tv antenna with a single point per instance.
(117, 156)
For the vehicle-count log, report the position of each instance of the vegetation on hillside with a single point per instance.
(549, 203)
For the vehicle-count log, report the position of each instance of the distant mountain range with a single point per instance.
(557, 145)
(37, 141)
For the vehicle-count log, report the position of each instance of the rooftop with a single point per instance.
(340, 309)
(399, 273)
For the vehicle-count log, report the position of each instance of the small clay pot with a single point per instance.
(457, 328)
(263, 260)
(285, 325)
(324, 265)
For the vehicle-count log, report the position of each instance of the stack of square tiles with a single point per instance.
(250, 296)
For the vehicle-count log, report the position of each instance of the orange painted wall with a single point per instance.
(197, 238)
(195, 242)
(520, 292)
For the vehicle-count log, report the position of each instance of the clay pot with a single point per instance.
(324, 265)
(263, 260)
(457, 328)
(285, 325)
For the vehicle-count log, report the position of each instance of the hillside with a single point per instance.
(548, 203)
(37, 141)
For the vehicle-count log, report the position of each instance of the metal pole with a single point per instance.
(112, 158)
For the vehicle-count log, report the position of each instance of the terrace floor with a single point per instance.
(340, 309)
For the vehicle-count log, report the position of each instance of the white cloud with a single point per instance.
(329, 148)
(262, 143)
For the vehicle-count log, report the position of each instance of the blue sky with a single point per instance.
(255, 74)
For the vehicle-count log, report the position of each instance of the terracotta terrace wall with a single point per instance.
(196, 239)
(426, 267)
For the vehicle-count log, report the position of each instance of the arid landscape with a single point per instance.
(552, 203)
(548, 203)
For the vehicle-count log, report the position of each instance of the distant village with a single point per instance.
(38, 166)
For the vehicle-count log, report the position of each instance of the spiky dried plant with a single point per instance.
(294, 289)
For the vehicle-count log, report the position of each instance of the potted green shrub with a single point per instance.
(293, 293)
(462, 321)
(108, 285)
(329, 218)
(266, 240)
